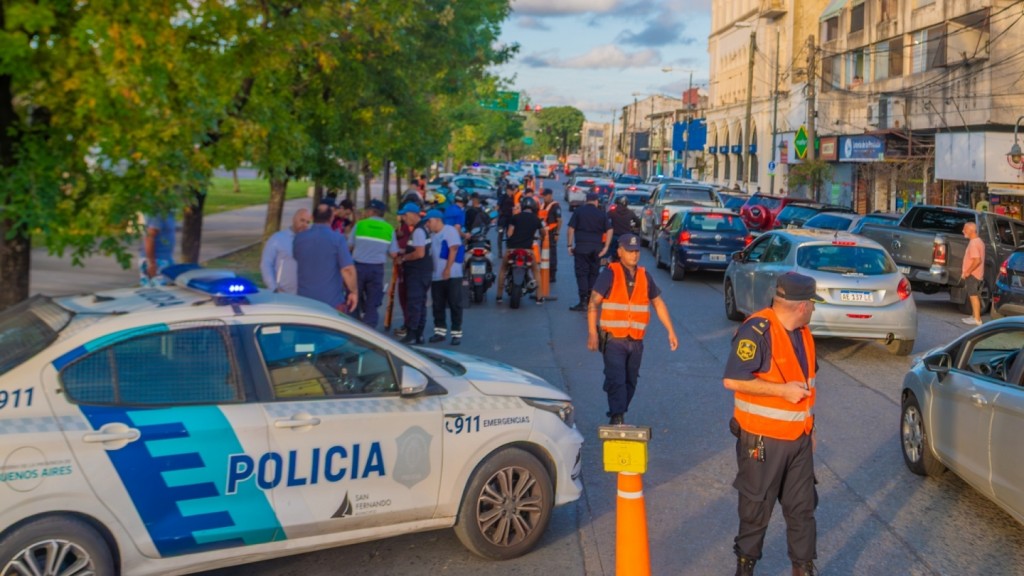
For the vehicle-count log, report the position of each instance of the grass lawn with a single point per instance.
(245, 262)
(222, 197)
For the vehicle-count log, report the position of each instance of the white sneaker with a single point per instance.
(970, 320)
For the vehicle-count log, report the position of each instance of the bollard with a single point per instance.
(625, 452)
(545, 267)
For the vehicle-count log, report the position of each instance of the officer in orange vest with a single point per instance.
(624, 293)
(771, 371)
(550, 214)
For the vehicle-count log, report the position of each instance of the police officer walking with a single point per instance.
(550, 215)
(373, 240)
(417, 269)
(624, 293)
(771, 371)
(624, 221)
(586, 228)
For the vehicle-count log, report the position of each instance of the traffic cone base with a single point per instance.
(632, 554)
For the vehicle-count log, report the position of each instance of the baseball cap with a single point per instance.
(796, 287)
(591, 196)
(408, 208)
(434, 214)
(378, 205)
(629, 242)
(547, 192)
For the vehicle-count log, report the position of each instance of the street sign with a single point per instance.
(527, 140)
(771, 168)
(503, 102)
(800, 142)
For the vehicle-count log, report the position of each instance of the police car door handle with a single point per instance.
(979, 400)
(113, 433)
(299, 421)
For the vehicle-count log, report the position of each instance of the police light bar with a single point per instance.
(224, 287)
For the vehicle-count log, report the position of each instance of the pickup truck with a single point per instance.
(928, 245)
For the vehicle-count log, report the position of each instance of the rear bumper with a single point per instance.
(701, 259)
(898, 319)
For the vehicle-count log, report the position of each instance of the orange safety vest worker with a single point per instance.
(623, 315)
(517, 197)
(773, 416)
(542, 213)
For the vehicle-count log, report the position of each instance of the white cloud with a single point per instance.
(531, 23)
(562, 7)
(611, 56)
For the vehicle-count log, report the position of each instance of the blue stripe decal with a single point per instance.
(72, 355)
(175, 475)
(69, 357)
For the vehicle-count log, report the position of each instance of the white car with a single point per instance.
(205, 424)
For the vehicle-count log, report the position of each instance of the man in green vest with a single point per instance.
(373, 240)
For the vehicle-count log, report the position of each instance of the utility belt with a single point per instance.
(606, 337)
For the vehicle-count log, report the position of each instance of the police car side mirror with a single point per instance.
(939, 364)
(413, 381)
(739, 256)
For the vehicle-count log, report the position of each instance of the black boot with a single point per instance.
(745, 566)
(804, 568)
(582, 306)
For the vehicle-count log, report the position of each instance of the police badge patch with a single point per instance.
(746, 349)
(412, 465)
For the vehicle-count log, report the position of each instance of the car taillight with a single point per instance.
(573, 189)
(939, 252)
(748, 240)
(1002, 269)
(684, 237)
(903, 290)
(664, 216)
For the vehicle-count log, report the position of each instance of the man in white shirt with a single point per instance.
(277, 265)
(446, 287)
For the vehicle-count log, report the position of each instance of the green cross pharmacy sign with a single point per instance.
(800, 142)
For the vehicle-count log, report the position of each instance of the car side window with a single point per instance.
(995, 355)
(1004, 233)
(187, 366)
(778, 250)
(314, 362)
(758, 248)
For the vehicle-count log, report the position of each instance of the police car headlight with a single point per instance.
(561, 408)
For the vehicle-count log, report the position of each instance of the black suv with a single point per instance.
(795, 214)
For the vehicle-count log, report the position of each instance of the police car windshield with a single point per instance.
(28, 328)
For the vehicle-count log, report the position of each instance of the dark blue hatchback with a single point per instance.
(700, 239)
(1008, 296)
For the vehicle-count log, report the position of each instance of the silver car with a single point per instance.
(866, 297)
(963, 409)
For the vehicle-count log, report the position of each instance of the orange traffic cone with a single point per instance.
(545, 267)
(632, 556)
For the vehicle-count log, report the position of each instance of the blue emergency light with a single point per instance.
(224, 287)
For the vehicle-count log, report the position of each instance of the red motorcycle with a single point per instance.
(519, 279)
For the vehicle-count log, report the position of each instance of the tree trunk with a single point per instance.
(398, 184)
(386, 183)
(367, 181)
(234, 176)
(192, 227)
(318, 195)
(15, 263)
(275, 206)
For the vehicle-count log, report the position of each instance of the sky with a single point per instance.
(595, 54)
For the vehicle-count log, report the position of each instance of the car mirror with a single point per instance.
(739, 256)
(413, 381)
(938, 363)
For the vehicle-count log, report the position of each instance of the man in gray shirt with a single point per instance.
(323, 262)
(277, 265)
(373, 240)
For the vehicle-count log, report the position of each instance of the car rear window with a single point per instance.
(798, 212)
(689, 194)
(715, 223)
(28, 328)
(843, 259)
(634, 199)
(766, 201)
(828, 222)
(942, 220)
(630, 180)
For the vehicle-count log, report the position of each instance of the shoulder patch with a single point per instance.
(746, 349)
(761, 326)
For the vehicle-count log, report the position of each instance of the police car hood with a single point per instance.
(499, 379)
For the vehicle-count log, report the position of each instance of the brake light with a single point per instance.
(573, 189)
(859, 316)
(631, 188)
(479, 252)
(939, 252)
(903, 290)
(843, 243)
(684, 237)
(664, 216)
(748, 240)
(519, 261)
(1002, 269)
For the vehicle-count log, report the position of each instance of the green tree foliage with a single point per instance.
(559, 129)
(810, 173)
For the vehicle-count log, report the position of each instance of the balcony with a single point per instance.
(773, 8)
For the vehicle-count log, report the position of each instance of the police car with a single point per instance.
(204, 424)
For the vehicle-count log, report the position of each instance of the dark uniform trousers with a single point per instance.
(370, 282)
(587, 267)
(417, 284)
(621, 369)
(786, 475)
(447, 294)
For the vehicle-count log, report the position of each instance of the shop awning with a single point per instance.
(996, 190)
(833, 9)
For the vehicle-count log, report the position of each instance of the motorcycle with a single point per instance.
(519, 279)
(479, 274)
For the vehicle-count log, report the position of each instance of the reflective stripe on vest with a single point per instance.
(774, 416)
(622, 315)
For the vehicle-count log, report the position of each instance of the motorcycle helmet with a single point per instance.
(622, 201)
(528, 204)
(460, 196)
(440, 198)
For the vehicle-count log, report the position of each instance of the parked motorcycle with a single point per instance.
(519, 279)
(478, 272)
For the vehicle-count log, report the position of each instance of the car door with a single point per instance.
(773, 263)
(163, 414)
(347, 451)
(666, 239)
(1007, 429)
(743, 276)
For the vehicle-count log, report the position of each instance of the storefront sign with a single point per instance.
(861, 149)
(828, 148)
(737, 149)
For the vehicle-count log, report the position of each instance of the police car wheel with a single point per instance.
(54, 546)
(506, 507)
(917, 452)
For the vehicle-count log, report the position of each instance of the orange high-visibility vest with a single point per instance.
(773, 416)
(622, 315)
(542, 213)
(517, 197)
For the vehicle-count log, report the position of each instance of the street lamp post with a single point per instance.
(632, 136)
(1014, 156)
(775, 115)
(745, 139)
(611, 143)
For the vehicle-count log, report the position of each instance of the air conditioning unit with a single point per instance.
(872, 115)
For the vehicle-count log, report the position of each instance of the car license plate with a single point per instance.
(477, 268)
(904, 269)
(851, 296)
(716, 257)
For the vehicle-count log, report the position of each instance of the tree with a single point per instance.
(810, 173)
(560, 129)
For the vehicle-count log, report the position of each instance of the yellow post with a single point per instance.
(625, 452)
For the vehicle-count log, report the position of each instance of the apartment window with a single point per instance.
(831, 28)
(831, 72)
(857, 18)
(887, 9)
(854, 68)
(929, 50)
(889, 59)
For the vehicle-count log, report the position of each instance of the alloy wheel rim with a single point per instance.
(51, 558)
(510, 506)
(912, 436)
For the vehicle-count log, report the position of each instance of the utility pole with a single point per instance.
(650, 141)
(811, 112)
(686, 143)
(745, 140)
(775, 114)
(612, 149)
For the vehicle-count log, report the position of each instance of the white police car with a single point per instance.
(175, 429)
